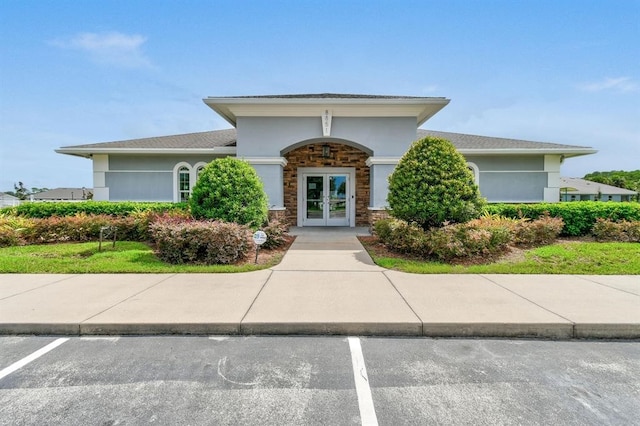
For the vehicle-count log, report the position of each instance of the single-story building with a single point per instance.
(324, 158)
(63, 194)
(8, 200)
(574, 189)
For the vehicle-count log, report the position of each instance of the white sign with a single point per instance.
(259, 237)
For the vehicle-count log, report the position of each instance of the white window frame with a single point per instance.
(476, 172)
(193, 177)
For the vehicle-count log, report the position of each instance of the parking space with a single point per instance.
(311, 380)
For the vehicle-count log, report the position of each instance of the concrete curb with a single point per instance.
(560, 331)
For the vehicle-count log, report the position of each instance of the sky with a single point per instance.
(77, 72)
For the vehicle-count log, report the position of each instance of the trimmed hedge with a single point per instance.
(62, 208)
(579, 217)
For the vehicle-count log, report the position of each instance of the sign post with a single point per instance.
(259, 238)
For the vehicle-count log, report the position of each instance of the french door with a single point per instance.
(326, 199)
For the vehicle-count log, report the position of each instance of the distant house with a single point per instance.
(304, 147)
(64, 194)
(574, 189)
(7, 200)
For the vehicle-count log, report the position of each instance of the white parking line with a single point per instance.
(365, 401)
(26, 360)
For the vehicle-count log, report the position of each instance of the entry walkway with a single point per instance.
(325, 284)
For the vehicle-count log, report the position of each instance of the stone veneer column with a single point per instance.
(340, 156)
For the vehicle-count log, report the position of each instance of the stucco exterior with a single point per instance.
(282, 136)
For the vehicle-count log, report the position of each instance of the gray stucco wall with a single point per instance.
(153, 162)
(140, 186)
(488, 163)
(145, 177)
(513, 186)
(268, 136)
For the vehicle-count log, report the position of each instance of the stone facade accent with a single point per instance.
(341, 156)
(376, 215)
(280, 215)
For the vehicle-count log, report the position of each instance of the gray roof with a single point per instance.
(10, 197)
(578, 186)
(468, 144)
(63, 194)
(199, 140)
(464, 142)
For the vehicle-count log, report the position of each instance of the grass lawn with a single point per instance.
(573, 257)
(126, 257)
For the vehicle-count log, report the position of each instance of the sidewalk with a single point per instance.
(325, 284)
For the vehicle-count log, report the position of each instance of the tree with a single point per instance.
(229, 189)
(432, 185)
(20, 191)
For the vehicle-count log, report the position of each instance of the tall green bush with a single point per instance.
(432, 185)
(230, 190)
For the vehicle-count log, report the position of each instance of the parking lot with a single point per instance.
(316, 380)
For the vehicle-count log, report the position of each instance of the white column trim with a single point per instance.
(382, 160)
(278, 161)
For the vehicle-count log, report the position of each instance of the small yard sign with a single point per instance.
(259, 237)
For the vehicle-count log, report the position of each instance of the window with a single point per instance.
(184, 179)
(184, 186)
(476, 172)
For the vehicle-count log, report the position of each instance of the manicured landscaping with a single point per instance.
(126, 257)
(566, 257)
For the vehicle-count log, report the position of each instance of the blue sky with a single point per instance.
(75, 72)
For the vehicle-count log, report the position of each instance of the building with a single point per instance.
(63, 194)
(324, 158)
(7, 200)
(574, 189)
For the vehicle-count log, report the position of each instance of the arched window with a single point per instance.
(476, 172)
(184, 179)
(184, 184)
(199, 167)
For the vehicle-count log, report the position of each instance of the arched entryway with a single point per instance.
(326, 183)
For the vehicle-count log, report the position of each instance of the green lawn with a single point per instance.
(126, 257)
(561, 258)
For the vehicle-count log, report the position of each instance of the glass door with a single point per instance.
(326, 199)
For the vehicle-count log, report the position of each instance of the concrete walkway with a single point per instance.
(325, 284)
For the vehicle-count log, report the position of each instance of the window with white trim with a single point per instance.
(184, 179)
(476, 172)
(184, 184)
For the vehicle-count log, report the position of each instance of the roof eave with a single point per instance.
(567, 152)
(88, 152)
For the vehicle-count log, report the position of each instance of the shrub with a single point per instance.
(623, 231)
(42, 210)
(11, 229)
(542, 231)
(578, 217)
(276, 231)
(229, 190)
(402, 237)
(431, 186)
(201, 242)
(464, 241)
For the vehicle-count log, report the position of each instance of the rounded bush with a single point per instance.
(230, 190)
(432, 186)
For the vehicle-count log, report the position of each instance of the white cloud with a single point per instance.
(113, 48)
(620, 84)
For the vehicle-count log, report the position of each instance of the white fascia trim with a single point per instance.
(276, 161)
(382, 160)
(515, 151)
(88, 152)
(231, 108)
(375, 209)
